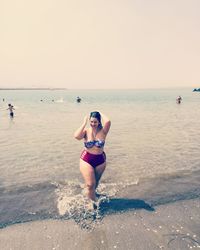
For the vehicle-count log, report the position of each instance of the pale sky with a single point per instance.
(100, 43)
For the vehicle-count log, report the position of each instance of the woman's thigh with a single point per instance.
(87, 172)
(99, 171)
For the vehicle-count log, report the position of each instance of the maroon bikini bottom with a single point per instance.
(92, 159)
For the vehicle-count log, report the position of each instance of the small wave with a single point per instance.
(72, 202)
(73, 192)
(63, 200)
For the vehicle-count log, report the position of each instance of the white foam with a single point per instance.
(60, 100)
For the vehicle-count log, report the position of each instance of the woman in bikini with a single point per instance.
(93, 158)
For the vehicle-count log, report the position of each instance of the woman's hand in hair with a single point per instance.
(85, 120)
(106, 122)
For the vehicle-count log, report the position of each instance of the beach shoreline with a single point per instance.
(170, 226)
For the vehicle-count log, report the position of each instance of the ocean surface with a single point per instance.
(152, 149)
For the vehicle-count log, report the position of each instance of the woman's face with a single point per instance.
(94, 123)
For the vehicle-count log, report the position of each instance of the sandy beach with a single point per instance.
(172, 226)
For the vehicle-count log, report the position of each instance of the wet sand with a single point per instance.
(170, 226)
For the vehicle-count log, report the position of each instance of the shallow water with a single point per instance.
(151, 138)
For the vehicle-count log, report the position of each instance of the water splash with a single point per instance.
(60, 100)
(72, 202)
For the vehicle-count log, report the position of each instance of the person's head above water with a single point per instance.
(9, 105)
(95, 120)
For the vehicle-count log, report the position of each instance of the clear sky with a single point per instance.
(100, 43)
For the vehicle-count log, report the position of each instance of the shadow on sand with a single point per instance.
(117, 205)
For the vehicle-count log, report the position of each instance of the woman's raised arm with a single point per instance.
(106, 123)
(81, 132)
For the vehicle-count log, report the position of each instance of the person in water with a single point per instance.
(11, 108)
(78, 99)
(93, 157)
(179, 99)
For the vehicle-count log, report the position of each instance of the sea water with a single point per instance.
(152, 142)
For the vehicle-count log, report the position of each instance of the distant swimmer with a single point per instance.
(11, 108)
(78, 99)
(178, 99)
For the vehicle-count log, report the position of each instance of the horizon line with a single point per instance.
(25, 88)
(61, 88)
